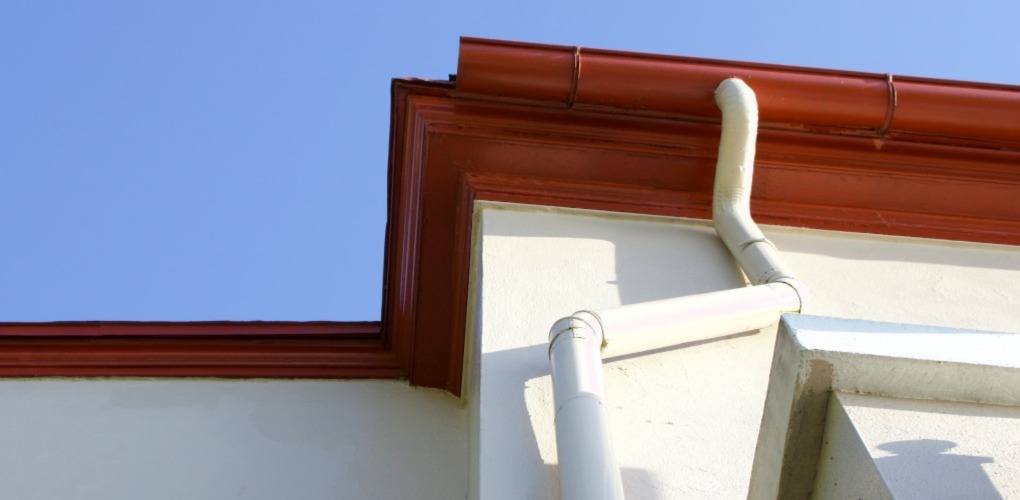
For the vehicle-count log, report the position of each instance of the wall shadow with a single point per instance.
(526, 364)
(638, 484)
(866, 247)
(926, 469)
(653, 259)
(656, 258)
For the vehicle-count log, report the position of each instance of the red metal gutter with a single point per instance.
(941, 111)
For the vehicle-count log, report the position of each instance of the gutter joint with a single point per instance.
(890, 106)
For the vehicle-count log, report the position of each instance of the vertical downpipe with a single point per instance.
(588, 470)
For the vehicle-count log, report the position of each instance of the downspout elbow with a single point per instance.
(731, 197)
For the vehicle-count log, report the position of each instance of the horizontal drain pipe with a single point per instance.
(578, 343)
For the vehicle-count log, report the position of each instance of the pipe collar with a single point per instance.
(581, 324)
(798, 287)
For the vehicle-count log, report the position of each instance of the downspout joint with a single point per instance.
(581, 324)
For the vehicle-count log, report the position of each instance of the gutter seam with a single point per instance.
(575, 77)
(890, 106)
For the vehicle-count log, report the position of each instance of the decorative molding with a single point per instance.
(200, 349)
(470, 147)
(365, 330)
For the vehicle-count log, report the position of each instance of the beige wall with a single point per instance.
(201, 439)
(685, 420)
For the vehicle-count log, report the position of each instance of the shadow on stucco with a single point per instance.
(653, 259)
(656, 258)
(656, 261)
(945, 475)
(638, 484)
(863, 247)
(531, 367)
(676, 347)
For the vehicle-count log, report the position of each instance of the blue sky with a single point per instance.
(209, 160)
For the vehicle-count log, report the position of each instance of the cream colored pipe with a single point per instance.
(731, 198)
(652, 325)
(588, 469)
(586, 464)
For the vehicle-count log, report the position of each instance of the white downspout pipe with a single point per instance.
(731, 197)
(588, 469)
(577, 343)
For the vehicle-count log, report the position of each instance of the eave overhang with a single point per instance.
(638, 133)
(604, 130)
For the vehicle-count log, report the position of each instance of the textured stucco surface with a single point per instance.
(938, 449)
(685, 420)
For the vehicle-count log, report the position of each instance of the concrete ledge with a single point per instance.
(882, 447)
(815, 356)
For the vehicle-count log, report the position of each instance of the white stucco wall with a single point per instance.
(685, 420)
(203, 439)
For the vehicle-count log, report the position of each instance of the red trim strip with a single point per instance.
(350, 330)
(200, 349)
(196, 357)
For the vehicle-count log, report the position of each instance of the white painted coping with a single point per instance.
(815, 356)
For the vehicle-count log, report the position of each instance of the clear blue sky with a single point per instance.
(194, 160)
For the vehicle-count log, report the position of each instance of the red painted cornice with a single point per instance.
(877, 105)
